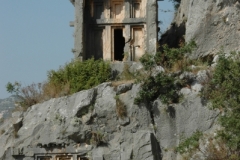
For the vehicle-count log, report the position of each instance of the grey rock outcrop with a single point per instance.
(174, 122)
(212, 24)
(86, 125)
(215, 24)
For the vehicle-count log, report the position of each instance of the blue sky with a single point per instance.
(35, 37)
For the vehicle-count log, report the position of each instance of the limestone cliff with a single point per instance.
(212, 24)
(89, 125)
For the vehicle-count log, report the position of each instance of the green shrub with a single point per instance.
(148, 61)
(71, 78)
(162, 85)
(223, 91)
(169, 56)
(13, 87)
(29, 95)
(80, 75)
(190, 143)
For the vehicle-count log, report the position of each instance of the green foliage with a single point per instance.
(71, 78)
(170, 56)
(148, 61)
(162, 85)
(190, 143)
(80, 75)
(13, 87)
(224, 93)
(29, 95)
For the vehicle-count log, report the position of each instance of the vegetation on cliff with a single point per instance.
(164, 85)
(223, 91)
(176, 3)
(68, 79)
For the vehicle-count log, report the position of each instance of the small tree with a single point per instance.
(13, 87)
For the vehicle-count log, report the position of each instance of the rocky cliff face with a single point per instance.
(103, 123)
(91, 125)
(212, 24)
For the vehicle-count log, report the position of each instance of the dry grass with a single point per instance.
(216, 150)
(15, 134)
(37, 93)
(53, 91)
(97, 138)
(31, 95)
(2, 132)
(180, 65)
(120, 82)
(126, 74)
(121, 109)
(186, 65)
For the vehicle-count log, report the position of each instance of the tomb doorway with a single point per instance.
(119, 43)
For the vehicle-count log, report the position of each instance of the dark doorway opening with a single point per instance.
(119, 43)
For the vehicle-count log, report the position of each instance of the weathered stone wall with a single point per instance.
(78, 26)
(213, 24)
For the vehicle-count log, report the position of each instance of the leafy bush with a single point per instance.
(148, 61)
(169, 56)
(162, 85)
(224, 93)
(71, 78)
(29, 95)
(13, 87)
(80, 75)
(190, 143)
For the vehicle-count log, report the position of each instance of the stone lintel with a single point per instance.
(120, 22)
